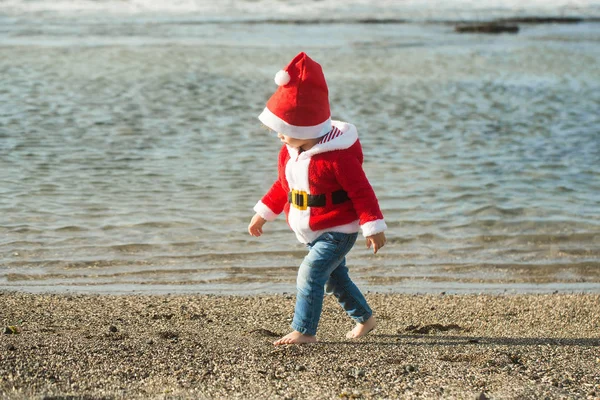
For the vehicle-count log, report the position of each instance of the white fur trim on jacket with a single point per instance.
(298, 132)
(373, 227)
(345, 136)
(261, 209)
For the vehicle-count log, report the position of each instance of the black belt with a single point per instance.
(302, 200)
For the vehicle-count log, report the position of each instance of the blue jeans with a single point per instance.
(325, 268)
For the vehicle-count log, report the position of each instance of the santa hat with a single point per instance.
(299, 108)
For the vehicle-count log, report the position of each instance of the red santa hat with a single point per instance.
(299, 108)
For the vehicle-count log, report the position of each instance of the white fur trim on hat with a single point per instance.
(373, 227)
(297, 132)
(282, 78)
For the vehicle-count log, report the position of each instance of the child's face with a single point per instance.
(290, 141)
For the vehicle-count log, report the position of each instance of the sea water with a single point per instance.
(131, 155)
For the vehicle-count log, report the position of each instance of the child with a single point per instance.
(324, 193)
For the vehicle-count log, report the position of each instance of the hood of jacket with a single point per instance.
(342, 136)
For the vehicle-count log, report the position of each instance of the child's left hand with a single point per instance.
(377, 240)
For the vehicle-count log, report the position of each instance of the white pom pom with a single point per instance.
(282, 78)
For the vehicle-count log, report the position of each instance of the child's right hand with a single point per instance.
(256, 224)
(377, 241)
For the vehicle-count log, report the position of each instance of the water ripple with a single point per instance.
(144, 160)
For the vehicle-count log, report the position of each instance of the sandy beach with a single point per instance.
(425, 346)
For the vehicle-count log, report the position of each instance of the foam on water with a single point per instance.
(276, 9)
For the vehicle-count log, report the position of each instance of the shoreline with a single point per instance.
(252, 289)
(208, 346)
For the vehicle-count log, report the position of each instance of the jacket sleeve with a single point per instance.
(273, 202)
(351, 176)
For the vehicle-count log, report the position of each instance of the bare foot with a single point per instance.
(362, 329)
(295, 338)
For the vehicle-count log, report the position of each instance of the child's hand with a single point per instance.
(255, 227)
(377, 240)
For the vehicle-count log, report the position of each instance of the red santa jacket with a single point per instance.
(332, 165)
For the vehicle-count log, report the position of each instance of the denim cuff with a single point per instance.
(303, 330)
(364, 318)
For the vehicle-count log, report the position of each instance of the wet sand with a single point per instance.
(425, 346)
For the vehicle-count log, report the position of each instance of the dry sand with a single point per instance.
(425, 346)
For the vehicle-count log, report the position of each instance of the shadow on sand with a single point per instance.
(433, 340)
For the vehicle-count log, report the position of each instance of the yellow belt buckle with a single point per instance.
(295, 194)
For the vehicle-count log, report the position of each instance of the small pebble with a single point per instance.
(11, 347)
(113, 328)
(11, 330)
